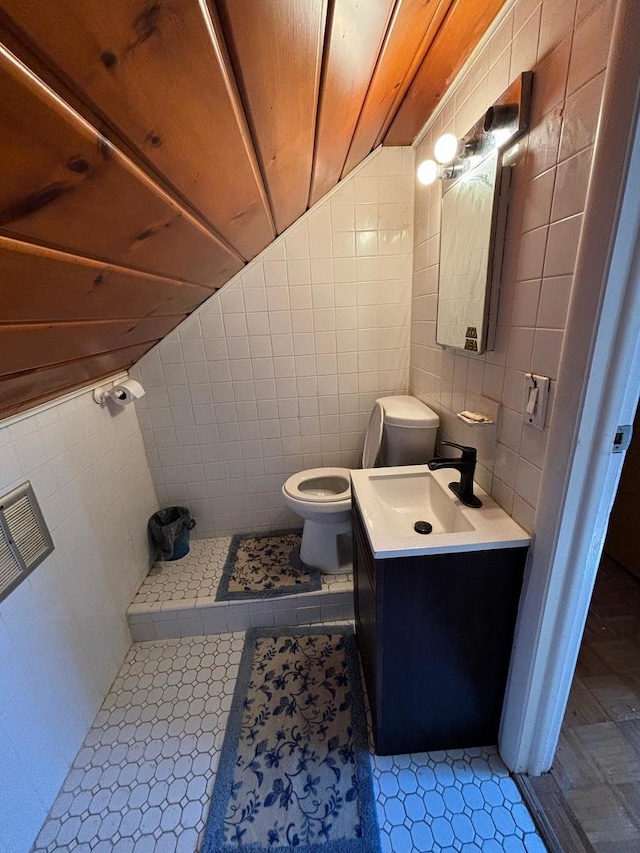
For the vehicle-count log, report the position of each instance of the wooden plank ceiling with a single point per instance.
(148, 150)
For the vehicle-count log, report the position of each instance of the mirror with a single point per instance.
(475, 184)
(467, 251)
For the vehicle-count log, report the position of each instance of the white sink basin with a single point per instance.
(392, 500)
(403, 499)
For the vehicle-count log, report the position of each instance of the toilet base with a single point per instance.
(327, 547)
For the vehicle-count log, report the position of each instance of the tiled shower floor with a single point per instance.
(142, 780)
(177, 599)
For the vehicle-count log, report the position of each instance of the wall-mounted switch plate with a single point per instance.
(622, 438)
(536, 398)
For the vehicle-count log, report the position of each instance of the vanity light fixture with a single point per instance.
(446, 148)
(428, 172)
(450, 153)
(499, 120)
(499, 117)
(502, 123)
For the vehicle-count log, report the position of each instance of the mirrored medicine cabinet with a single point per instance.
(475, 191)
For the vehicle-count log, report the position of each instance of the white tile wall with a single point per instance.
(63, 633)
(278, 372)
(565, 43)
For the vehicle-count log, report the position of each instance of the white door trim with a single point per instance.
(598, 387)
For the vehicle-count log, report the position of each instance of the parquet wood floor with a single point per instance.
(591, 797)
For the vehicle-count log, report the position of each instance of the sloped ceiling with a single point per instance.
(148, 150)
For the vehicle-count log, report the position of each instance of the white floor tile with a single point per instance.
(143, 779)
(178, 599)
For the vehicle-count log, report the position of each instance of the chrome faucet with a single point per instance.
(466, 464)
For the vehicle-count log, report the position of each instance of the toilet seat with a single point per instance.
(373, 436)
(320, 485)
(399, 432)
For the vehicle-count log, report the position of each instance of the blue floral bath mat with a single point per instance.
(294, 772)
(265, 565)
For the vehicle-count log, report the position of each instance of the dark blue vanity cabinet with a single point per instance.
(435, 636)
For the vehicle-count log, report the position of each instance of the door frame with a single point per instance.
(598, 388)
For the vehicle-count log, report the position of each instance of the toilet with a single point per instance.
(401, 431)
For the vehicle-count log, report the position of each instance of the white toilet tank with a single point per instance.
(408, 433)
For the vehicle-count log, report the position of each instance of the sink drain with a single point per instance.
(422, 527)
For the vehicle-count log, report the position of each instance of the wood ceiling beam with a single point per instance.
(411, 32)
(216, 33)
(33, 387)
(276, 52)
(355, 38)
(29, 346)
(462, 29)
(41, 284)
(156, 76)
(13, 40)
(64, 185)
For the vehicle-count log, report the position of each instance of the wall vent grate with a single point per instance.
(10, 568)
(24, 537)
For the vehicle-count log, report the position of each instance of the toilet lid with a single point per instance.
(316, 479)
(373, 438)
(409, 412)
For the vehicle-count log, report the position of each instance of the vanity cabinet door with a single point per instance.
(447, 632)
(435, 636)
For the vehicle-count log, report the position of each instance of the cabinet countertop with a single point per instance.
(389, 524)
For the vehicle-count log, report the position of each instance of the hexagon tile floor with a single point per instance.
(142, 780)
(177, 599)
(459, 800)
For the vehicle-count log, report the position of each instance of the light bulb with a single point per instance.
(428, 172)
(446, 148)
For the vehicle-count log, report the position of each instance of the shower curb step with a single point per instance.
(191, 617)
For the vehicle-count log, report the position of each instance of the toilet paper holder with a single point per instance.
(121, 394)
